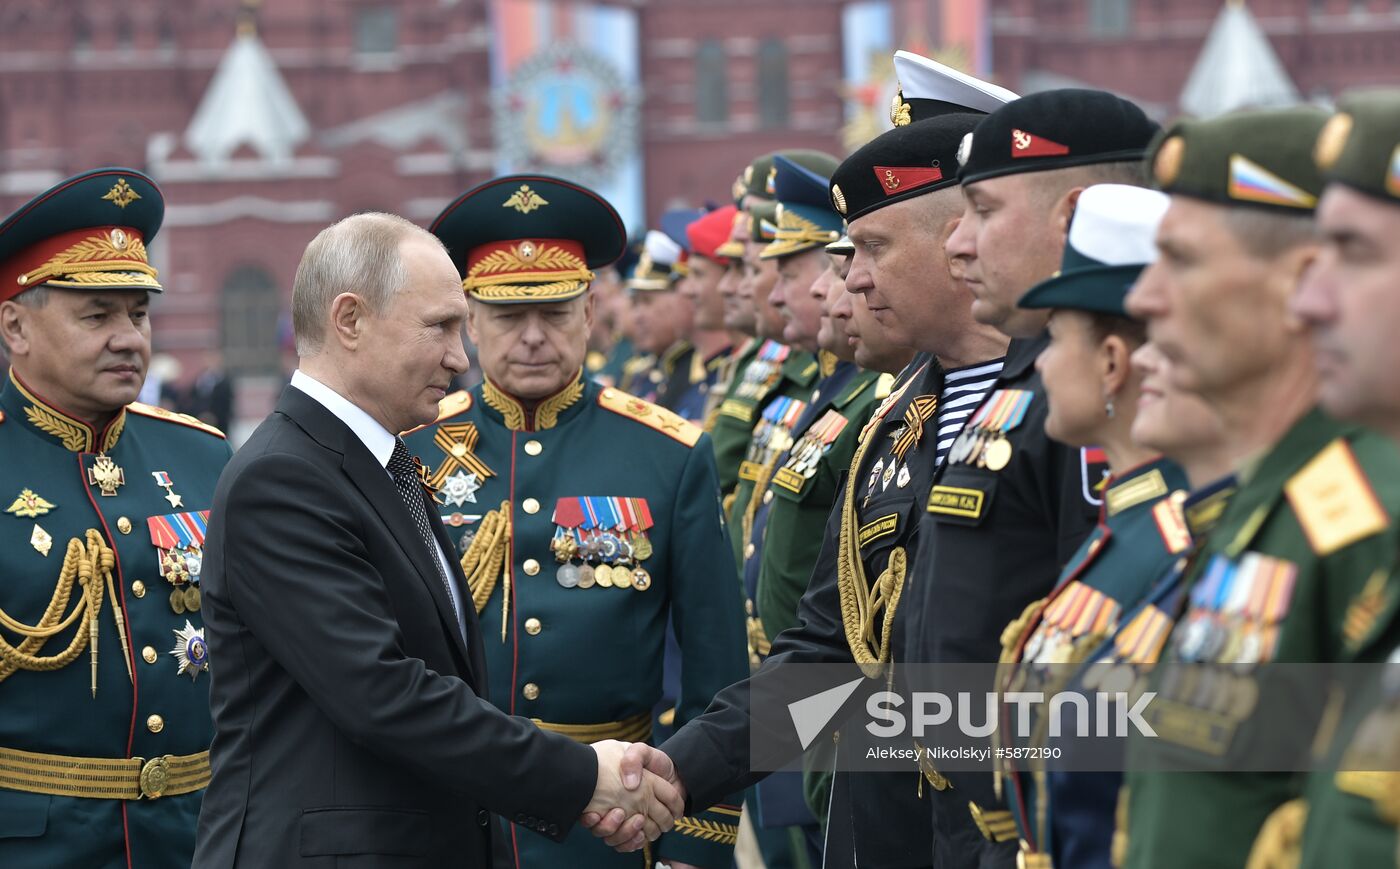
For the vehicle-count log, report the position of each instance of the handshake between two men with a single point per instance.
(639, 796)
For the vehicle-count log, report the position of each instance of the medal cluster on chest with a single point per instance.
(602, 542)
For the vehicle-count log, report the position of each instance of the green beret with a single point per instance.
(1360, 145)
(763, 221)
(757, 179)
(1260, 159)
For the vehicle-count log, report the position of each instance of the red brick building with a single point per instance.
(340, 106)
(1146, 48)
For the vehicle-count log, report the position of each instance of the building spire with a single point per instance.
(1237, 68)
(248, 17)
(247, 104)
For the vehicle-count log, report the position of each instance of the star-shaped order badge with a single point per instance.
(190, 651)
(460, 488)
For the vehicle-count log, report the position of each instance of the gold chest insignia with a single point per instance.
(106, 476)
(28, 505)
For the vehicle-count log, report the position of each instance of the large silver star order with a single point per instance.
(190, 650)
(460, 488)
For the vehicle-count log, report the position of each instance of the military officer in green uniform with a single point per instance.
(1348, 297)
(1092, 391)
(759, 366)
(1310, 520)
(796, 255)
(585, 516)
(105, 732)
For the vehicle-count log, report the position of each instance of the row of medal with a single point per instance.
(179, 542)
(608, 536)
(983, 440)
(1236, 610)
(773, 434)
(805, 456)
(1136, 648)
(920, 410)
(761, 373)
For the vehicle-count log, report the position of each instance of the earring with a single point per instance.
(1108, 406)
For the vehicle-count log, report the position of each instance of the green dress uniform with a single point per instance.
(1352, 813)
(731, 436)
(105, 729)
(1311, 523)
(1306, 529)
(574, 635)
(583, 523)
(775, 413)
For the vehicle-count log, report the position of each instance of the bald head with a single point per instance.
(359, 254)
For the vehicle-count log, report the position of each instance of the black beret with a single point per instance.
(1055, 130)
(900, 164)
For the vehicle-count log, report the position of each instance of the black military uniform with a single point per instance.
(1009, 506)
(875, 819)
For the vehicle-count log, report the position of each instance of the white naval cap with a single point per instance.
(1116, 224)
(928, 80)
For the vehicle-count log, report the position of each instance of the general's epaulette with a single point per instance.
(453, 404)
(1333, 500)
(448, 407)
(651, 415)
(177, 418)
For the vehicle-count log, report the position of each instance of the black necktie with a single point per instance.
(405, 475)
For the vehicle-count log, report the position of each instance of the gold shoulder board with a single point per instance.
(177, 418)
(884, 385)
(448, 407)
(1333, 500)
(650, 415)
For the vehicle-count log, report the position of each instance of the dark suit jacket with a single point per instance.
(350, 728)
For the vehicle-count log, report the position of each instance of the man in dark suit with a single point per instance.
(351, 725)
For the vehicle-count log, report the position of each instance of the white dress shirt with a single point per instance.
(380, 442)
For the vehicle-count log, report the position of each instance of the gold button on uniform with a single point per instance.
(533, 627)
(748, 550)
(155, 724)
(532, 567)
(124, 525)
(533, 448)
(768, 497)
(531, 691)
(138, 588)
(531, 506)
(148, 655)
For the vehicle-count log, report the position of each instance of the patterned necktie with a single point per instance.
(405, 475)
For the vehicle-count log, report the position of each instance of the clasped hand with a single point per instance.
(638, 796)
